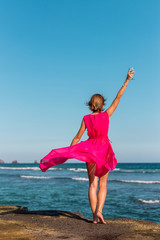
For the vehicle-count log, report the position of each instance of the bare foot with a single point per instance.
(100, 216)
(95, 218)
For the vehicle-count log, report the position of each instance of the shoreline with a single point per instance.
(16, 222)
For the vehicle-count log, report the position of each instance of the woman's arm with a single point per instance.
(79, 134)
(116, 101)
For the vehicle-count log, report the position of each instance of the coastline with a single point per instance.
(135, 187)
(16, 222)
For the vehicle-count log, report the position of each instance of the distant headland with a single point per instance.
(15, 162)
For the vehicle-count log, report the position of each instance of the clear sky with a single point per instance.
(54, 54)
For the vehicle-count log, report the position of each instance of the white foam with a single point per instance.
(80, 179)
(28, 168)
(148, 201)
(53, 169)
(21, 168)
(148, 171)
(138, 181)
(116, 169)
(77, 169)
(36, 177)
(138, 170)
(128, 171)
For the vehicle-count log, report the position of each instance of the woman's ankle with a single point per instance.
(94, 213)
(100, 216)
(99, 210)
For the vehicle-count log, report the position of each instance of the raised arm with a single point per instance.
(79, 134)
(116, 101)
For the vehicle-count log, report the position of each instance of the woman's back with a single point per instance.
(97, 125)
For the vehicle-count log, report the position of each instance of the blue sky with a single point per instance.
(55, 54)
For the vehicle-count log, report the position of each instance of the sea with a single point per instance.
(133, 189)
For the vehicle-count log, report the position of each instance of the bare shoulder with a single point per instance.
(83, 123)
(107, 111)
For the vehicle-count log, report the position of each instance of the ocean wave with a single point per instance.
(136, 181)
(138, 170)
(148, 201)
(53, 169)
(29, 168)
(150, 171)
(116, 169)
(21, 168)
(80, 179)
(126, 171)
(43, 177)
(50, 169)
(77, 169)
(35, 177)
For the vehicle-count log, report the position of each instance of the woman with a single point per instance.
(96, 151)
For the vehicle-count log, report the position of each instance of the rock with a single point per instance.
(44, 225)
(1, 161)
(12, 209)
(14, 161)
(35, 162)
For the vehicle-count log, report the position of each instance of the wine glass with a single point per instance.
(131, 70)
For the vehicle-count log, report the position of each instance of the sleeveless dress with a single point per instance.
(96, 149)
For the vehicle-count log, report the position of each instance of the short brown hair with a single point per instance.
(96, 103)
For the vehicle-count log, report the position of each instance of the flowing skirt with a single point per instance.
(94, 150)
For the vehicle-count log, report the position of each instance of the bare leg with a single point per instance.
(92, 192)
(102, 196)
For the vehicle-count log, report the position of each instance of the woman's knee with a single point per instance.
(102, 184)
(93, 183)
(103, 180)
(93, 180)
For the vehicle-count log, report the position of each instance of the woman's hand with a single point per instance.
(115, 103)
(130, 74)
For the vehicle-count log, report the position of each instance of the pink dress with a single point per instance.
(96, 149)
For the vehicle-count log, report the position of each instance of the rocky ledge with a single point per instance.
(18, 223)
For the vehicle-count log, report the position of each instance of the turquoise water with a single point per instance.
(133, 189)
